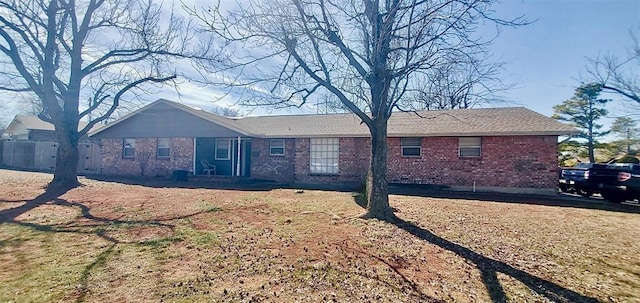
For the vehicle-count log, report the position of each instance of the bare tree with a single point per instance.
(370, 55)
(619, 75)
(225, 111)
(5, 114)
(463, 83)
(142, 157)
(66, 52)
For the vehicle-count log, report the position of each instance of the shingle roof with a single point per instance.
(34, 123)
(458, 122)
(211, 117)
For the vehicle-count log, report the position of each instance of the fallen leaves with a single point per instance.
(175, 244)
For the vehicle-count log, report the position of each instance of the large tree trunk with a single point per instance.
(377, 186)
(65, 175)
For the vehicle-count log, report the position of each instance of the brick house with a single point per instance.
(508, 148)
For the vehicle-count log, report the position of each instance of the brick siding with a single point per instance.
(519, 161)
(113, 162)
(266, 166)
(353, 160)
(506, 161)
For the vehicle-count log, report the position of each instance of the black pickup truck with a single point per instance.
(576, 179)
(616, 182)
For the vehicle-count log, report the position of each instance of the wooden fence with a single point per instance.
(41, 156)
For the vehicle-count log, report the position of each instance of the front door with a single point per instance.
(246, 158)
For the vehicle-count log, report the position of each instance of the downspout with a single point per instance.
(238, 158)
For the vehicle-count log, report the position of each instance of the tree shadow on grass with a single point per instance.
(224, 183)
(559, 200)
(413, 288)
(418, 190)
(100, 260)
(10, 214)
(88, 224)
(489, 268)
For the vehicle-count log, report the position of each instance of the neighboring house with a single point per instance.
(496, 147)
(32, 128)
(30, 143)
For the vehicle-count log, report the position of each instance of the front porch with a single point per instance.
(230, 157)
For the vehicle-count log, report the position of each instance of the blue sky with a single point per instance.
(547, 58)
(544, 59)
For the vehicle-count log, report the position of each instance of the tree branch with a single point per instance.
(118, 96)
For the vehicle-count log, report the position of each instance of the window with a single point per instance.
(469, 147)
(129, 148)
(324, 156)
(222, 149)
(276, 147)
(164, 148)
(411, 147)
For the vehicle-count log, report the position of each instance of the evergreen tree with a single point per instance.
(583, 110)
(627, 129)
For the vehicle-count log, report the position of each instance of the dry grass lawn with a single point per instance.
(115, 242)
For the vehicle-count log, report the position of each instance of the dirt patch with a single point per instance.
(114, 242)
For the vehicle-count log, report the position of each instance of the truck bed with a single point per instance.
(616, 182)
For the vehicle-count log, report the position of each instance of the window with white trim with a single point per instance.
(276, 147)
(324, 155)
(469, 147)
(411, 147)
(223, 147)
(128, 148)
(164, 148)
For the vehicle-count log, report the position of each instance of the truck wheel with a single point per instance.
(564, 188)
(585, 192)
(612, 197)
